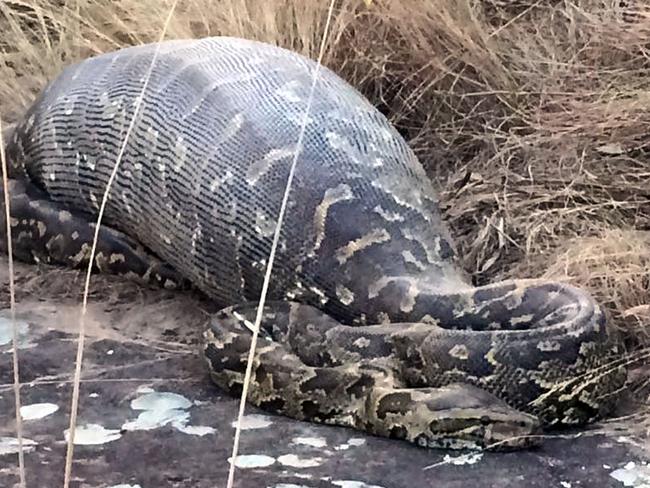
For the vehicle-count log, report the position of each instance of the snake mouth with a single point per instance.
(457, 416)
(478, 429)
(480, 419)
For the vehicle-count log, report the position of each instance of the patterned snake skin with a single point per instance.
(370, 324)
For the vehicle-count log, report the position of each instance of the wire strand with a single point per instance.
(274, 245)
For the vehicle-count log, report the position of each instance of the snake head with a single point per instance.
(457, 416)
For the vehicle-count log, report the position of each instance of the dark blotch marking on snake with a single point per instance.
(370, 322)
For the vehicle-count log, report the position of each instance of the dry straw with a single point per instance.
(274, 246)
(12, 308)
(74, 408)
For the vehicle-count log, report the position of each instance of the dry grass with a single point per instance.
(530, 116)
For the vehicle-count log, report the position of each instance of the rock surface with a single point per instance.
(149, 416)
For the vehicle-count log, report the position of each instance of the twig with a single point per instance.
(84, 307)
(274, 245)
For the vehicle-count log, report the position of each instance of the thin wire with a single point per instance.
(12, 307)
(84, 308)
(274, 245)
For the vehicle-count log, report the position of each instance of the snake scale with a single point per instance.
(370, 322)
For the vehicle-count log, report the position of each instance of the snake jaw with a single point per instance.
(475, 429)
(456, 416)
(491, 426)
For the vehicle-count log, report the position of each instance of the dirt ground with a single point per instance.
(150, 417)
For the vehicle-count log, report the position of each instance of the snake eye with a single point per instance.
(485, 420)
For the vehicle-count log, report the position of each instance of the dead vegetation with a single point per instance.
(530, 116)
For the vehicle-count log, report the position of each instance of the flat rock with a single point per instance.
(150, 417)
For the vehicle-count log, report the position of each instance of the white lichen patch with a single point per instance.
(145, 389)
(310, 441)
(7, 331)
(37, 411)
(296, 462)
(199, 430)
(354, 442)
(92, 435)
(636, 475)
(254, 421)
(160, 401)
(289, 485)
(354, 484)
(249, 461)
(305, 476)
(154, 419)
(9, 445)
(158, 409)
(463, 459)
